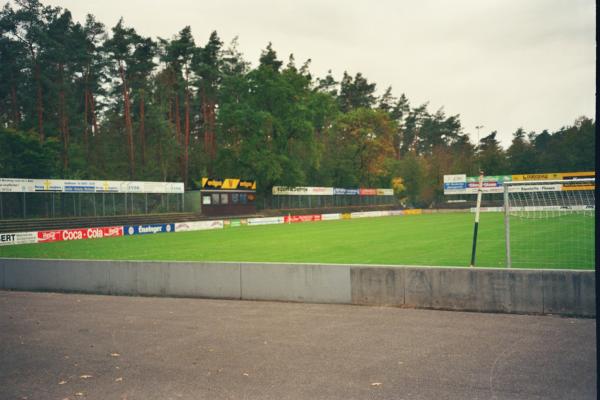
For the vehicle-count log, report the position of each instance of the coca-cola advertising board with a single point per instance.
(79, 234)
(302, 218)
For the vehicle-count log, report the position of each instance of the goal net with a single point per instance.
(550, 223)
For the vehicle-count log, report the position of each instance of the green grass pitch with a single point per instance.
(428, 239)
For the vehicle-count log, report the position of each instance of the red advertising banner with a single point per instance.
(302, 218)
(78, 234)
(367, 192)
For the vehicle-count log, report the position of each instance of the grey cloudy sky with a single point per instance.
(503, 64)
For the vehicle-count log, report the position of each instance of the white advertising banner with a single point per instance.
(107, 186)
(198, 225)
(536, 208)
(79, 186)
(455, 178)
(14, 185)
(48, 185)
(325, 191)
(265, 221)
(368, 214)
(330, 217)
(385, 192)
(18, 238)
(302, 191)
(535, 188)
(394, 212)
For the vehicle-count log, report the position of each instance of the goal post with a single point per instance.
(550, 223)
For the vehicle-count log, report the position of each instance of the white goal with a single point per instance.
(550, 223)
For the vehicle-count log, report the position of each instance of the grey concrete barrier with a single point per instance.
(570, 293)
(212, 280)
(511, 291)
(309, 283)
(378, 286)
(563, 292)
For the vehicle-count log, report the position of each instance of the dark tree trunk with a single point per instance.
(187, 138)
(93, 111)
(210, 143)
(142, 133)
(86, 120)
(177, 119)
(39, 105)
(64, 132)
(15, 105)
(128, 125)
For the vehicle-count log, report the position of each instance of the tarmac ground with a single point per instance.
(71, 346)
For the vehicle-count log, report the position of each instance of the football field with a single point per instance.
(427, 239)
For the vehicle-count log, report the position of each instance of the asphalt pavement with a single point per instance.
(68, 346)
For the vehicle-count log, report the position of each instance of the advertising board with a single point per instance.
(412, 211)
(457, 178)
(395, 212)
(346, 192)
(265, 221)
(10, 185)
(302, 191)
(536, 188)
(330, 217)
(367, 192)
(368, 214)
(79, 234)
(453, 184)
(301, 218)
(48, 185)
(76, 186)
(461, 184)
(228, 184)
(236, 223)
(198, 225)
(7, 239)
(79, 186)
(148, 229)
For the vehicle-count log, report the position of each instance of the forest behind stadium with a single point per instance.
(83, 100)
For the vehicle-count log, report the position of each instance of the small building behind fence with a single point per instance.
(230, 196)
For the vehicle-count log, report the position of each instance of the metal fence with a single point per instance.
(59, 205)
(329, 201)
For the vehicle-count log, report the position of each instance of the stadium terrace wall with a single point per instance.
(466, 289)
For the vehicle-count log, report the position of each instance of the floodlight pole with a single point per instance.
(476, 227)
(478, 127)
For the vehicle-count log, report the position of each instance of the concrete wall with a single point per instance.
(309, 283)
(124, 277)
(467, 289)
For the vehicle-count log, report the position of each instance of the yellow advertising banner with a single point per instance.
(227, 184)
(413, 211)
(577, 175)
(554, 176)
(560, 176)
(230, 183)
(536, 177)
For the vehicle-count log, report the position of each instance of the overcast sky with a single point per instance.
(503, 64)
